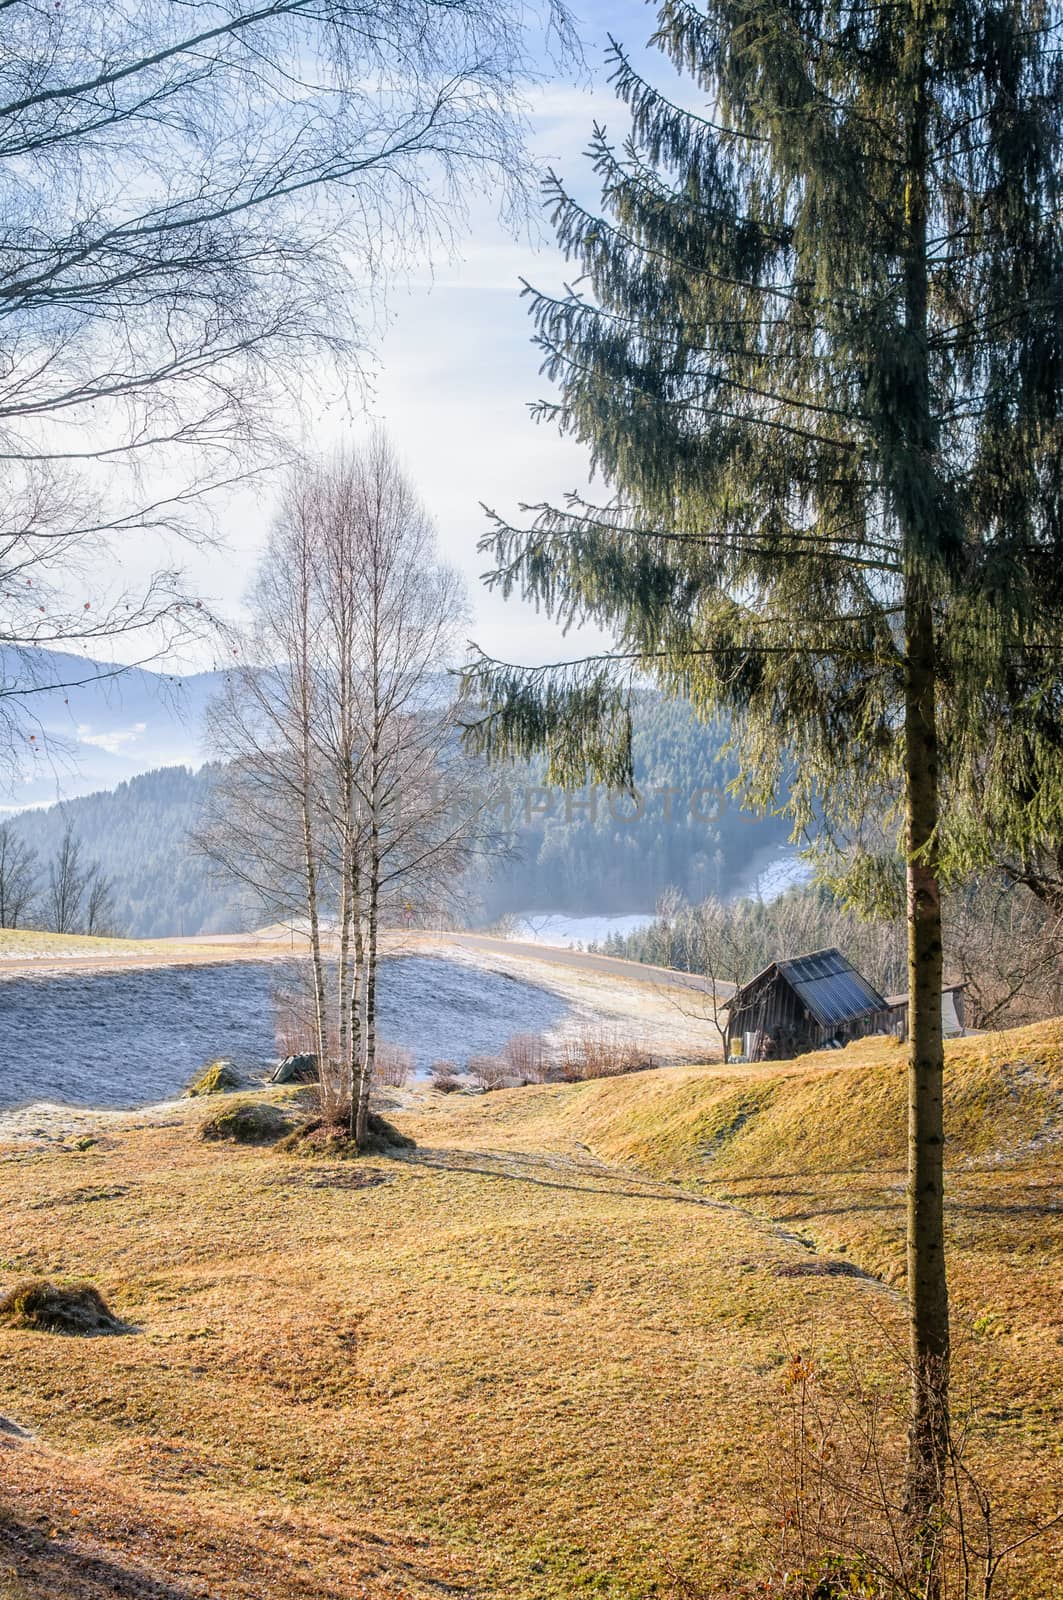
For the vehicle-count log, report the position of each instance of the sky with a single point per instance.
(455, 372)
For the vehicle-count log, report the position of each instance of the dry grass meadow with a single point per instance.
(542, 1355)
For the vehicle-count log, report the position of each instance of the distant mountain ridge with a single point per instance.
(141, 782)
(96, 724)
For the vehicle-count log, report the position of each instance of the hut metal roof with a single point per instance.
(827, 984)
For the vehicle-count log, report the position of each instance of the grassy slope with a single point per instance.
(16, 942)
(529, 1364)
(30, 944)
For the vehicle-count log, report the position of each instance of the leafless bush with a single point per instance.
(526, 1057)
(293, 1025)
(837, 1527)
(445, 1077)
(599, 1052)
(1008, 948)
(490, 1072)
(393, 1064)
(295, 1030)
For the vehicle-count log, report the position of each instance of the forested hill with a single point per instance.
(139, 834)
(587, 852)
(603, 853)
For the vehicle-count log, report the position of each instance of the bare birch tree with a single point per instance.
(265, 825)
(411, 783)
(66, 885)
(347, 772)
(78, 897)
(99, 903)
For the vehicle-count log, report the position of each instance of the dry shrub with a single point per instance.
(837, 1527)
(490, 1072)
(599, 1052)
(393, 1064)
(445, 1077)
(59, 1308)
(526, 1057)
(293, 1020)
(295, 1030)
(333, 1091)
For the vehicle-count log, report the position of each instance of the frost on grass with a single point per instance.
(136, 1037)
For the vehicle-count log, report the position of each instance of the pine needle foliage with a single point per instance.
(815, 348)
(784, 447)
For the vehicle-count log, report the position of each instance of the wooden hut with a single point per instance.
(953, 1014)
(807, 1003)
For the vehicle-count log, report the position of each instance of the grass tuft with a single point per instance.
(247, 1122)
(58, 1308)
(324, 1137)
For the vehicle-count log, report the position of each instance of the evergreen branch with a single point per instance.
(827, 545)
(566, 211)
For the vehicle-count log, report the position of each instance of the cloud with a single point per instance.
(115, 741)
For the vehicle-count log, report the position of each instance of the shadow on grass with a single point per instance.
(493, 1166)
(36, 1567)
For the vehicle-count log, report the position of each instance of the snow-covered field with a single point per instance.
(575, 933)
(130, 1038)
(770, 873)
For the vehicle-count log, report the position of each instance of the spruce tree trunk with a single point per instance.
(928, 1303)
(927, 1284)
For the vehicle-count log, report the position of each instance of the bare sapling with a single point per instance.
(836, 1523)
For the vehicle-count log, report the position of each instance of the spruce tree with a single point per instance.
(815, 348)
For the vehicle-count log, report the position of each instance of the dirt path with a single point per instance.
(577, 960)
(155, 953)
(671, 1013)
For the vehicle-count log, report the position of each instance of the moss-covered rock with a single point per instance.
(301, 1068)
(217, 1077)
(247, 1122)
(58, 1308)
